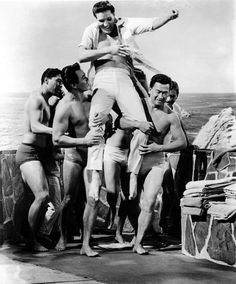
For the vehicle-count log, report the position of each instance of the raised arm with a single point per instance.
(35, 114)
(161, 21)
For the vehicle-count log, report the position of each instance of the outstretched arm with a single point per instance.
(161, 21)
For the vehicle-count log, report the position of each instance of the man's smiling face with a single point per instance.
(106, 21)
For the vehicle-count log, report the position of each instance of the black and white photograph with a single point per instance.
(118, 141)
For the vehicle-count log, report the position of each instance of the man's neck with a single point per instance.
(45, 93)
(159, 107)
(78, 95)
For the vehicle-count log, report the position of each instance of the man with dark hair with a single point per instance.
(36, 155)
(72, 117)
(173, 184)
(171, 101)
(151, 173)
(109, 45)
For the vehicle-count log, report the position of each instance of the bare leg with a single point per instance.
(90, 214)
(95, 185)
(122, 214)
(34, 175)
(71, 174)
(112, 180)
(152, 185)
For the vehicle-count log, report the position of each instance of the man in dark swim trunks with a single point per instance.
(36, 155)
(70, 130)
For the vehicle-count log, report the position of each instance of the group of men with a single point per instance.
(120, 136)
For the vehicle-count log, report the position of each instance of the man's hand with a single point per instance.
(145, 126)
(88, 95)
(145, 149)
(93, 138)
(99, 119)
(174, 15)
(121, 50)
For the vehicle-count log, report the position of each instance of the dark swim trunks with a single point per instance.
(28, 152)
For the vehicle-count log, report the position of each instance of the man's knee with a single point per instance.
(148, 206)
(42, 197)
(92, 202)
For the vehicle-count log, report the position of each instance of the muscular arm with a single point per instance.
(60, 126)
(127, 124)
(179, 141)
(35, 110)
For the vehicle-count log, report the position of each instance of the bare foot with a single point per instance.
(132, 243)
(119, 239)
(86, 250)
(132, 186)
(140, 250)
(61, 245)
(109, 222)
(36, 247)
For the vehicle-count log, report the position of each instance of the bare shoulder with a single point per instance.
(35, 99)
(174, 118)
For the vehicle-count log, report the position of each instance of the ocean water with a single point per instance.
(201, 106)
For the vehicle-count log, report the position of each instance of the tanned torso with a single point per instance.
(164, 121)
(79, 111)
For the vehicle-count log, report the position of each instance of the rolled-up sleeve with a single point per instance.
(140, 25)
(87, 40)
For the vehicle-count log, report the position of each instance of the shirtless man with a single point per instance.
(108, 44)
(35, 156)
(153, 164)
(72, 117)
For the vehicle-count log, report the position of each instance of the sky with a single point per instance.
(196, 50)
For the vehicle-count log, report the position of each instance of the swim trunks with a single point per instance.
(29, 152)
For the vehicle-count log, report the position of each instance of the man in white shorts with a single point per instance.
(109, 45)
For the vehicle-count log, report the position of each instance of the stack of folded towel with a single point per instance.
(222, 210)
(230, 194)
(199, 194)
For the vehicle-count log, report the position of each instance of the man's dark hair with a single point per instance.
(175, 87)
(50, 73)
(103, 6)
(162, 79)
(68, 75)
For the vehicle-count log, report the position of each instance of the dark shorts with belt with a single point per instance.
(28, 153)
(77, 155)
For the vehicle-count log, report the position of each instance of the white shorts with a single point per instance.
(116, 154)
